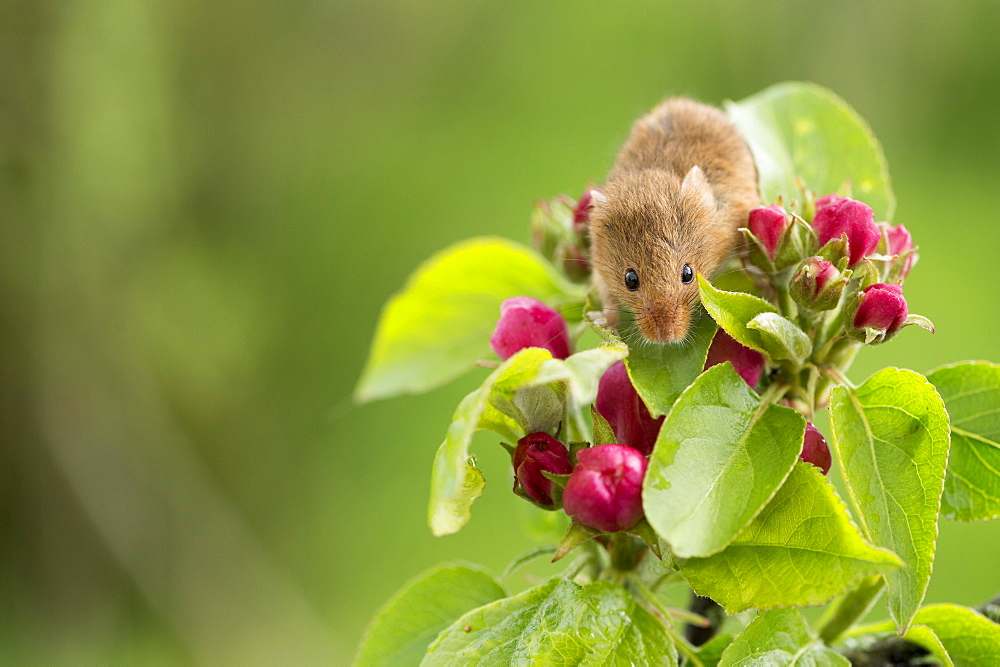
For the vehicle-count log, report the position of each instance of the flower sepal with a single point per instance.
(576, 535)
(645, 532)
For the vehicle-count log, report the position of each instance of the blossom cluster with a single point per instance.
(600, 486)
(842, 240)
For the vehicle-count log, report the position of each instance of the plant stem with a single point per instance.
(785, 303)
(850, 609)
(625, 552)
(774, 393)
(834, 374)
(659, 610)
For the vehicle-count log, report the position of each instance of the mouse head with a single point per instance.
(651, 232)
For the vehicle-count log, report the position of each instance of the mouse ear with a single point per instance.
(695, 185)
(598, 198)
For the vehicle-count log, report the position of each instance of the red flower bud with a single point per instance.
(605, 489)
(768, 223)
(581, 216)
(882, 306)
(526, 322)
(747, 363)
(815, 450)
(817, 285)
(619, 403)
(535, 453)
(841, 215)
(901, 241)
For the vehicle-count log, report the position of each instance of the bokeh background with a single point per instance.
(205, 204)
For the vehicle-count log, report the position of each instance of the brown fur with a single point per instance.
(659, 215)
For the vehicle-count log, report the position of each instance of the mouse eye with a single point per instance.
(631, 280)
(687, 274)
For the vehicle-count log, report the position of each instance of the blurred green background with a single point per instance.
(205, 205)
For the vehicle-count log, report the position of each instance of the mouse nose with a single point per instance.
(665, 323)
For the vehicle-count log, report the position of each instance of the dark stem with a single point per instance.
(888, 651)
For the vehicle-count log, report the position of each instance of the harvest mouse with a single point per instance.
(682, 184)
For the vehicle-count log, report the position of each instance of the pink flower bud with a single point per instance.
(882, 306)
(581, 216)
(768, 223)
(536, 453)
(817, 285)
(901, 241)
(815, 450)
(823, 202)
(841, 215)
(605, 489)
(526, 322)
(748, 363)
(619, 403)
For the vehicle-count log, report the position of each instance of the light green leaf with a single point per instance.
(720, 457)
(526, 394)
(971, 392)
(924, 636)
(891, 438)
(801, 130)
(781, 338)
(440, 323)
(455, 482)
(970, 638)
(404, 627)
(557, 623)
(803, 549)
(734, 311)
(779, 637)
(661, 372)
(581, 372)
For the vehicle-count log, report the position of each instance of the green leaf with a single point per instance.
(803, 549)
(803, 131)
(780, 637)
(404, 627)
(710, 653)
(924, 636)
(734, 311)
(720, 457)
(524, 395)
(970, 638)
(661, 372)
(781, 338)
(971, 392)
(439, 325)
(891, 438)
(581, 372)
(455, 482)
(557, 623)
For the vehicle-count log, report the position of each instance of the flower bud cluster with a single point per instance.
(600, 487)
(561, 233)
(840, 260)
